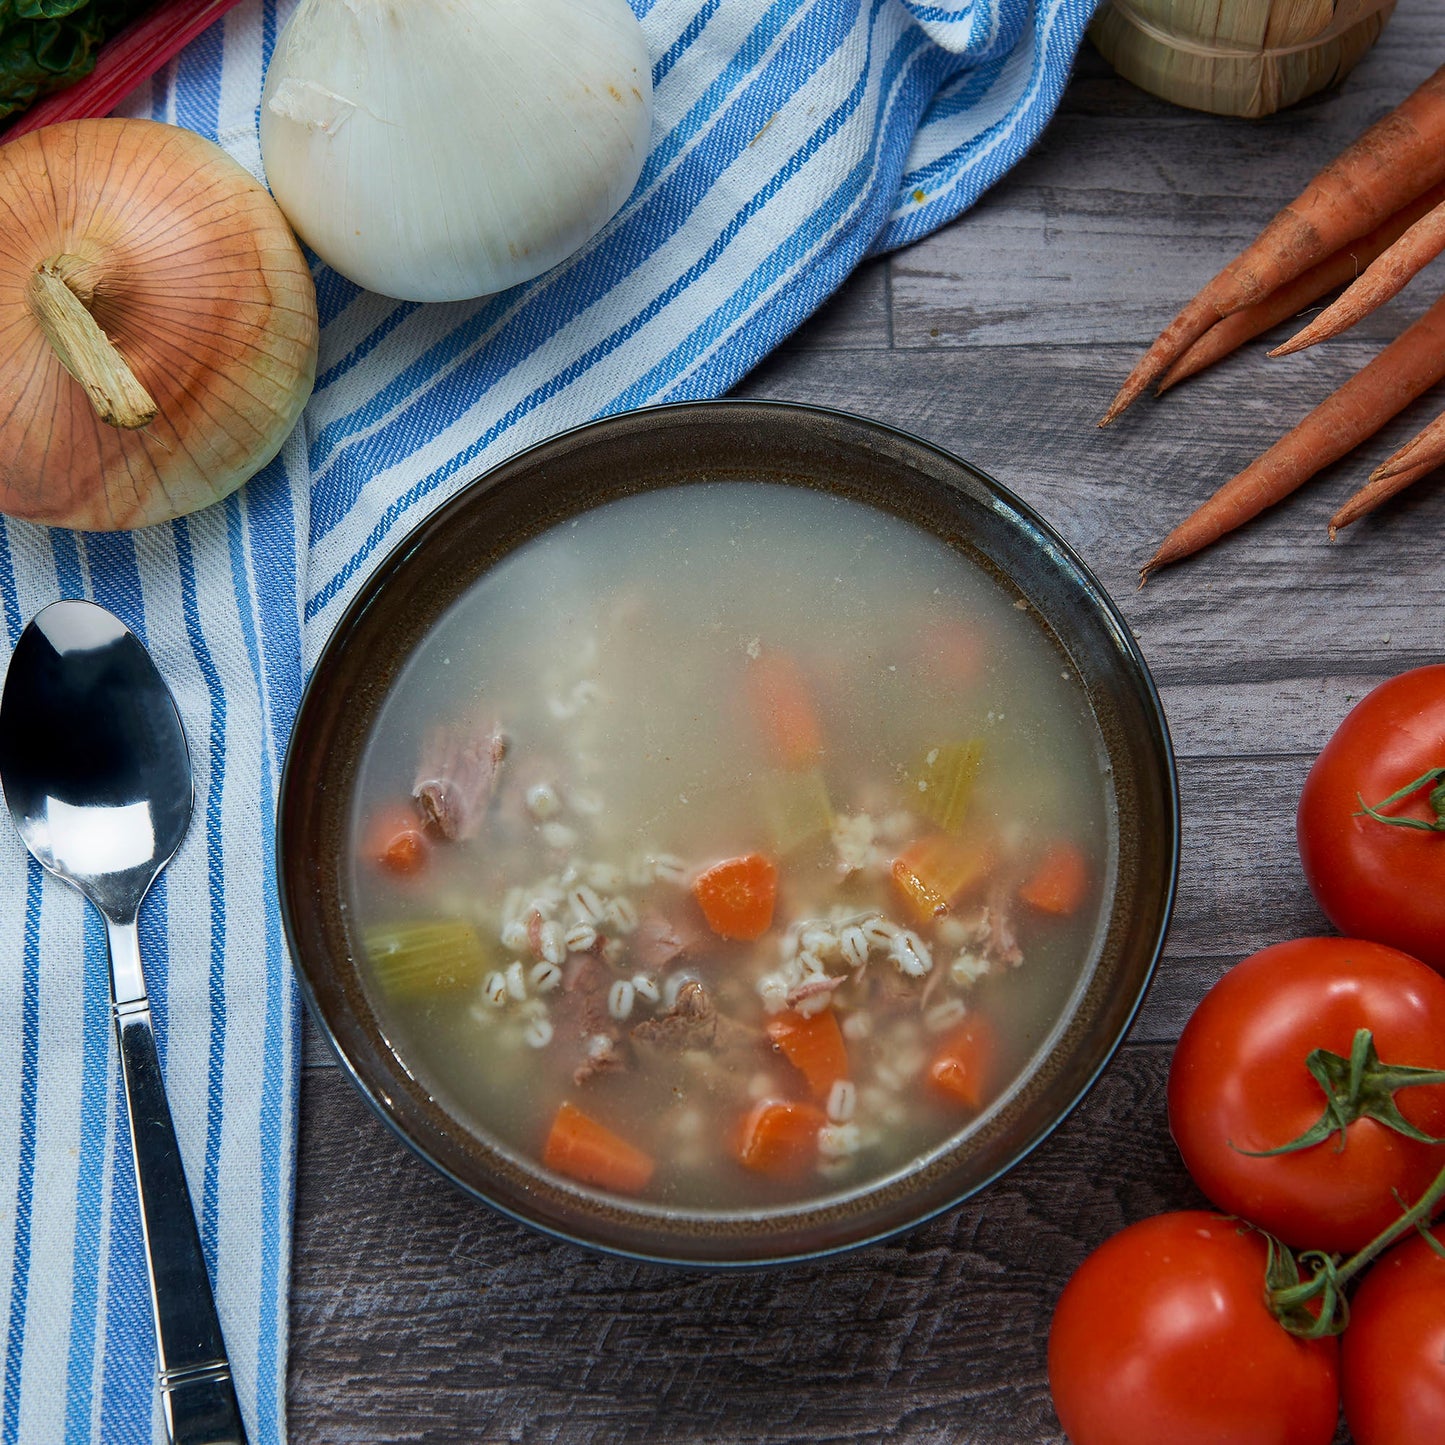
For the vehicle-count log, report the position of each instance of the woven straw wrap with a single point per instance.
(1237, 57)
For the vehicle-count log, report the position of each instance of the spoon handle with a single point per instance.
(197, 1394)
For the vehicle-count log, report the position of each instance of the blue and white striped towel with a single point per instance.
(790, 140)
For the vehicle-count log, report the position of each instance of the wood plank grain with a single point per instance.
(1270, 717)
(434, 1319)
(856, 318)
(1127, 206)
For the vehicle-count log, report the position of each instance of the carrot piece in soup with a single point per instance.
(961, 1072)
(394, 841)
(1060, 881)
(924, 902)
(812, 1044)
(935, 872)
(780, 1139)
(782, 705)
(584, 1150)
(737, 896)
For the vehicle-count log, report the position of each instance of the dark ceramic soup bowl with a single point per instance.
(680, 446)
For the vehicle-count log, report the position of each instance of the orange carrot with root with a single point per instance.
(1419, 457)
(1374, 494)
(1405, 369)
(1385, 277)
(1344, 266)
(1393, 162)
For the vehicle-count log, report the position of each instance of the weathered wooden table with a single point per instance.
(418, 1315)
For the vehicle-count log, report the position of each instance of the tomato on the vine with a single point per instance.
(1392, 1359)
(1240, 1085)
(1164, 1335)
(1381, 874)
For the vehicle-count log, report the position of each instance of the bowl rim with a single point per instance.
(1065, 558)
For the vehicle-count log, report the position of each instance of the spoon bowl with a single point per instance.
(96, 772)
(97, 779)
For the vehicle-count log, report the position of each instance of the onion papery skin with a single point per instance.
(191, 270)
(441, 150)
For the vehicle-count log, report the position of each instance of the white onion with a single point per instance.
(436, 150)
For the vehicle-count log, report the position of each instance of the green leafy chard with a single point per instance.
(47, 44)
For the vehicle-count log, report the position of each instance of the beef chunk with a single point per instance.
(602, 1057)
(660, 942)
(691, 1023)
(456, 779)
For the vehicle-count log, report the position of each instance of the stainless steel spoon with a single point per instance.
(98, 782)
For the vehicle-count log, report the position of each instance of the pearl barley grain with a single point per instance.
(620, 999)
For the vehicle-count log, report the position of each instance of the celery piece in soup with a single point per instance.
(411, 960)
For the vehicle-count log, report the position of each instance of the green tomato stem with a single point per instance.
(1290, 1301)
(1435, 780)
(1358, 1087)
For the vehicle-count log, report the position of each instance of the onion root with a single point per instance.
(86, 352)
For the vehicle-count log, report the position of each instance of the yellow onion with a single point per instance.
(157, 325)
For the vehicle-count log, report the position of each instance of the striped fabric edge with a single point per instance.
(984, 122)
(78, 1331)
(216, 597)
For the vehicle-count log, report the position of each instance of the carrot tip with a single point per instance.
(1306, 337)
(1162, 558)
(1117, 407)
(1127, 395)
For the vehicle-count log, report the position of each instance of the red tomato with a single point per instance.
(1393, 1358)
(1163, 1337)
(1239, 1082)
(1379, 880)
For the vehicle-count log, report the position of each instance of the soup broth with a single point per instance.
(730, 845)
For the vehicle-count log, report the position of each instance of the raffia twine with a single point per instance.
(1237, 57)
